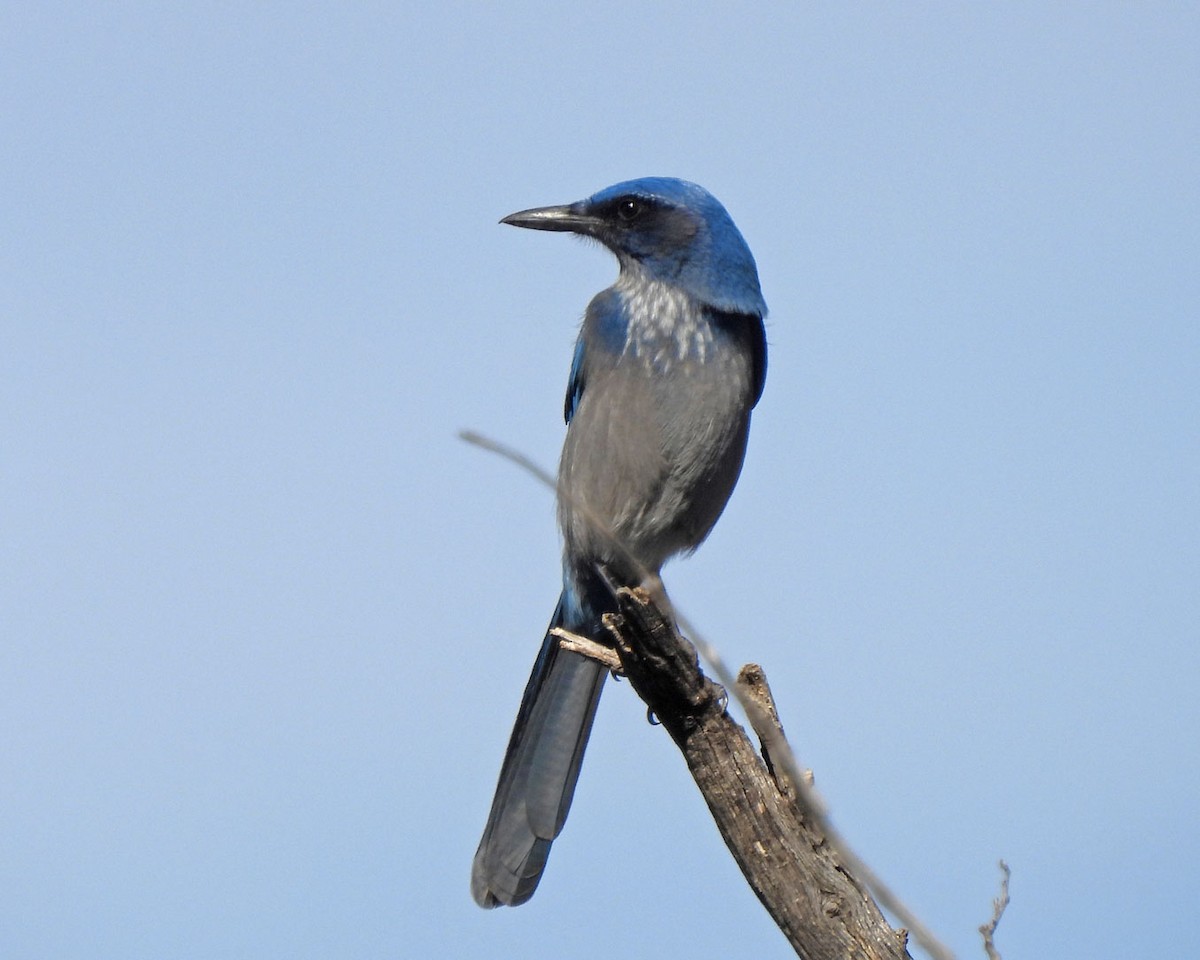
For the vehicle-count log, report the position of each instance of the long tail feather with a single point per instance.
(537, 779)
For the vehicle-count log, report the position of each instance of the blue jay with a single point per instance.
(669, 362)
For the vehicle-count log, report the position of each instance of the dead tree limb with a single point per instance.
(820, 893)
(824, 912)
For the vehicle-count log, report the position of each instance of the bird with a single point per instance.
(669, 362)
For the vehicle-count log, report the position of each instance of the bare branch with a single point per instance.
(999, 905)
(781, 755)
(801, 797)
(585, 646)
(753, 686)
(823, 911)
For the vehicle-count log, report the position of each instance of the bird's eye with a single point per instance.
(628, 209)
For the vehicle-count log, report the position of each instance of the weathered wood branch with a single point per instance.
(824, 912)
(821, 894)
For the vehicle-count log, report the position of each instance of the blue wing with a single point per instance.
(575, 381)
(757, 338)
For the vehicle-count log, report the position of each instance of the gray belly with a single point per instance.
(652, 459)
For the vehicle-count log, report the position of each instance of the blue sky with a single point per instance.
(265, 621)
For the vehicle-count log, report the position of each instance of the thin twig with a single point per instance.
(999, 905)
(587, 647)
(752, 683)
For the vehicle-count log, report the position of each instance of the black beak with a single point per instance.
(570, 218)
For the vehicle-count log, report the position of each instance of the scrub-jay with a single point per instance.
(669, 362)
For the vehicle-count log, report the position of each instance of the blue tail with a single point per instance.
(537, 779)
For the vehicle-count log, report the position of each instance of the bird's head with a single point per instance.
(671, 230)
